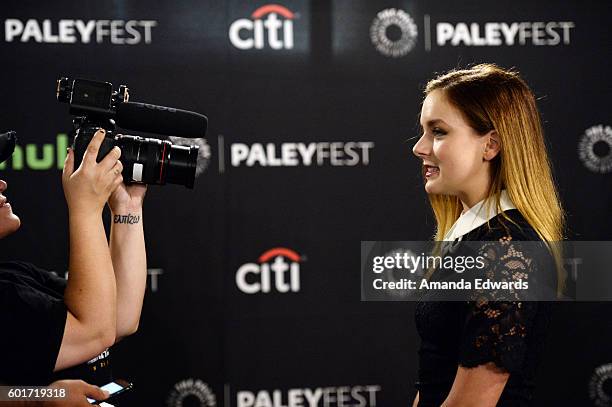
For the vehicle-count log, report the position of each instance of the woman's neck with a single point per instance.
(471, 198)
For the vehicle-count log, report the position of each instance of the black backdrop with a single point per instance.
(203, 341)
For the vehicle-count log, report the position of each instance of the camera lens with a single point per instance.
(181, 167)
(155, 161)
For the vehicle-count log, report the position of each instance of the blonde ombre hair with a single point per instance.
(493, 98)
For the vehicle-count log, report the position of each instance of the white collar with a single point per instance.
(477, 216)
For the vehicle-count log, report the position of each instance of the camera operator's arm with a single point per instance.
(90, 294)
(127, 246)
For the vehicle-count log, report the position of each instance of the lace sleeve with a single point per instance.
(498, 323)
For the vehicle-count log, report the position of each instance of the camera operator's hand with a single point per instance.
(88, 188)
(78, 391)
(127, 198)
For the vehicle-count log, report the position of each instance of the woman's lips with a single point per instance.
(431, 171)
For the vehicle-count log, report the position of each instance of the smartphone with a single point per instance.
(116, 387)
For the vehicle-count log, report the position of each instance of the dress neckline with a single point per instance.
(478, 215)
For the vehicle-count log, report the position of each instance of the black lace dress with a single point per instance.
(510, 334)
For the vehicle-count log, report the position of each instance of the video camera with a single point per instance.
(145, 160)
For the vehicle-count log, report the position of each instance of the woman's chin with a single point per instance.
(432, 187)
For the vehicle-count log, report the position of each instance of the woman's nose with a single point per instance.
(3, 185)
(422, 148)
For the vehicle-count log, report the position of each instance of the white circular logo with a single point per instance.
(193, 389)
(600, 386)
(389, 43)
(595, 149)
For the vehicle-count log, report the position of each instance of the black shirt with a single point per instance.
(510, 334)
(32, 321)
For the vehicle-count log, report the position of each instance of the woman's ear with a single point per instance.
(492, 145)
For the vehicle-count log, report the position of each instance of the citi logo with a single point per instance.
(251, 33)
(277, 269)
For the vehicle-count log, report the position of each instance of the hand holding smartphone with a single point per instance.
(116, 387)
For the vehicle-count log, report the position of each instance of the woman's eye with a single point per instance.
(438, 132)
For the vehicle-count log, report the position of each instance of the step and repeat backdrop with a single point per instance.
(253, 296)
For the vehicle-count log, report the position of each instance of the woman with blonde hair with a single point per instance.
(488, 178)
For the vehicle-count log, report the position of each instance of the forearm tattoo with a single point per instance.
(128, 219)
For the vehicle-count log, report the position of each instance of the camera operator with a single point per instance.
(52, 327)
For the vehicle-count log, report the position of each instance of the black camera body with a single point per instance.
(145, 160)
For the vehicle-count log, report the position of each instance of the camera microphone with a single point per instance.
(161, 120)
